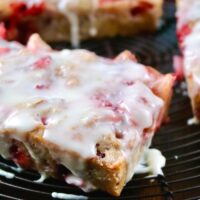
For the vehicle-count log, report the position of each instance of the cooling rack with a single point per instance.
(179, 142)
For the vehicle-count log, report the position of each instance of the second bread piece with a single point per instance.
(75, 20)
(188, 31)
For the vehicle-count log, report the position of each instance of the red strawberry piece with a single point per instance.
(43, 62)
(20, 157)
(2, 31)
(17, 26)
(182, 33)
(178, 67)
(141, 8)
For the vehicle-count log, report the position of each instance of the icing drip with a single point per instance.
(68, 196)
(192, 121)
(152, 162)
(72, 180)
(67, 7)
(76, 181)
(93, 29)
(6, 174)
(41, 179)
(74, 28)
(15, 120)
(72, 16)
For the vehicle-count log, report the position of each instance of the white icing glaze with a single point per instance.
(12, 46)
(79, 182)
(176, 157)
(192, 121)
(65, 7)
(6, 174)
(16, 122)
(156, 161)
(93, 30)
(68, 8)
(74, 28)
(191, 52)
(41, 179)
(152, 162)
(31, 3)
(72, 180)
(67, 196)
(188, 12)
(77, 98)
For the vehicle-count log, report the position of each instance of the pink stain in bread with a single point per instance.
(141, 8)
(4, 50)
(41, 86)
(44, 120)
(144, 100)
(119, 134)
(43, 62)
(128, 82)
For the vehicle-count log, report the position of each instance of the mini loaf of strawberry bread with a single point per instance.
(71, 113)
(188, 31)
(61, 20)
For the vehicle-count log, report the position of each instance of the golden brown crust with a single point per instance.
(195, 99)
(108, 169)
(196, 106)
(163, 89)
(108, 173)
(108, 177)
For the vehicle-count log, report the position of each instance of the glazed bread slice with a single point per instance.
(75, 20)
(188, 31)
(71, 114)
